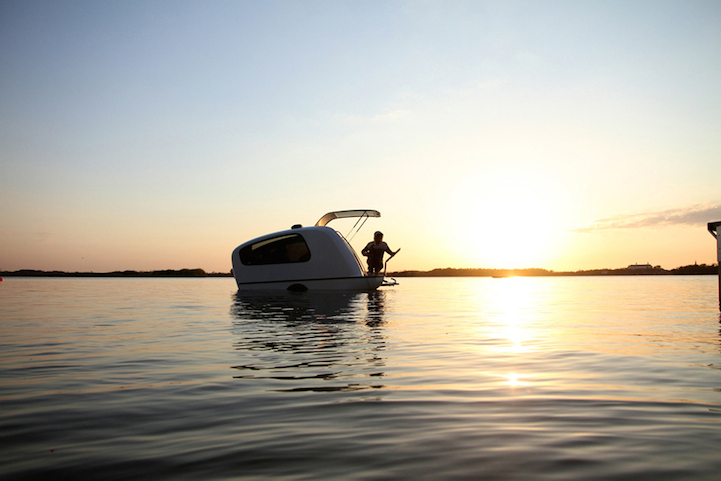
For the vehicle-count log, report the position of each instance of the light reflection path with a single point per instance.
(513, 304)
(508, 309)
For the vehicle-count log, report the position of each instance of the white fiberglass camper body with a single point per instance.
(304, 258)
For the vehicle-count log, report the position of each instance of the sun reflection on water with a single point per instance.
(511, 320)
(512, 300)
(515, 380)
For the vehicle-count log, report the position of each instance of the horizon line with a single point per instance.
(199, 272)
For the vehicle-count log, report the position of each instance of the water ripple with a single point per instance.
(553, 379)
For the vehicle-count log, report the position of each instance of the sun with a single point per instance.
(507, 218)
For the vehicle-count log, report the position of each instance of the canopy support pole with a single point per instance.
(715, 230)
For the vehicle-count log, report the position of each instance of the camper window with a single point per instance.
(277, 250)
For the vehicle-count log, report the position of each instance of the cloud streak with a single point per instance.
(693, 215)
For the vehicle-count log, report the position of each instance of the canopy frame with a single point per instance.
(343, 214)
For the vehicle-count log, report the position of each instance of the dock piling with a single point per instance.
(714, 229)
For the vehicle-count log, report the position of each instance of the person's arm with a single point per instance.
(389, 251)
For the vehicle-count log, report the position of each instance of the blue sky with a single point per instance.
(153, 135)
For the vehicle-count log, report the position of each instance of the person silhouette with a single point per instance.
(374, 251)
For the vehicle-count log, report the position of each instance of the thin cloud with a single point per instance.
(694, 215)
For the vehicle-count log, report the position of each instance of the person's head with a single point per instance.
(378, 236)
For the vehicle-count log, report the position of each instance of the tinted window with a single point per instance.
(278, 250)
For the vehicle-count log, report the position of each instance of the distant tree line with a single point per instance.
(163, 273)
(696, 269)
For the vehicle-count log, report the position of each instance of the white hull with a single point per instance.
(364, 283)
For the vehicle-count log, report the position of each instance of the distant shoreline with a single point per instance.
(163, 273)
(695, 269)
(691, 270)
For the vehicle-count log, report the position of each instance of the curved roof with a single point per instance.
(341, 214)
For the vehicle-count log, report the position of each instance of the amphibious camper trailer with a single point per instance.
(304, 258)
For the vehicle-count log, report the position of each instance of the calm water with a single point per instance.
(469, 378)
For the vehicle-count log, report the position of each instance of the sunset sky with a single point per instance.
(161, 135)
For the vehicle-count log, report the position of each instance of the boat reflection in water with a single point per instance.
(310, 341)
